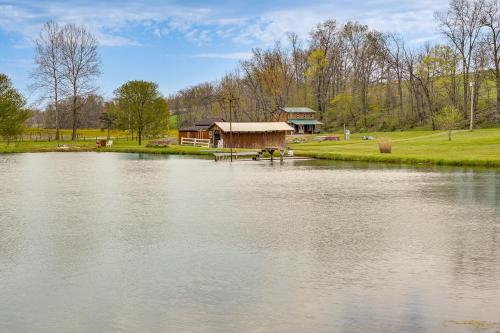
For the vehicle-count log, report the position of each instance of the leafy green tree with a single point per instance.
(12, 112)
(449, 119)
(342, 108)
(318, 66)
(142, 108)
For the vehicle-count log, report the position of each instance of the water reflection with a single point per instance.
(127, 242)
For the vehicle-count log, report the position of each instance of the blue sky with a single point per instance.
(182, 43)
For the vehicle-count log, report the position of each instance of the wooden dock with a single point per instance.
(224, 156)
(254, 155)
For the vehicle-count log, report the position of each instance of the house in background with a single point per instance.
(302, 119)
(200, 130)
(250, 135)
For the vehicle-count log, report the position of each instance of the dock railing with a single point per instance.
(195, 142)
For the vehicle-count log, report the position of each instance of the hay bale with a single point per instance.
(385, 146)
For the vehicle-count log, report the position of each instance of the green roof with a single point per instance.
(298, 110)
(305, 122)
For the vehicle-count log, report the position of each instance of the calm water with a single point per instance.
(129, 243)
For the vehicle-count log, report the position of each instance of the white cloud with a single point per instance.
(107, 21)
(114, 22)
(231, 55)
(409, 19)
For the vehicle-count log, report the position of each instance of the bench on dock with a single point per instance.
(255, 155)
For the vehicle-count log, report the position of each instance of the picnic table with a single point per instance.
(328, 138)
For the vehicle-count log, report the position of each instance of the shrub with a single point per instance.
(449, 118)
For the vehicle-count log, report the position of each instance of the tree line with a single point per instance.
(351, 74)
(369, 80)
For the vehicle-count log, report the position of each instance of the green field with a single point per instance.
(477, 148)
(120, 145)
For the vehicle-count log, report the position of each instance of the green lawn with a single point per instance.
(480, 147)
(477, 148)
(120, 145)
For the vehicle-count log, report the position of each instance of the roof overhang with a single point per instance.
(305, 122)
(259, 127)
(299, 109)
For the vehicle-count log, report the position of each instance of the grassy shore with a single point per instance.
(121, 146)
(477, 148)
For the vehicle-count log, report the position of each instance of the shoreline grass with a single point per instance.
(479, 148)
(476, 148)
(81, 146)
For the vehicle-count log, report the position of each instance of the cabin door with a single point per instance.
(217, 138)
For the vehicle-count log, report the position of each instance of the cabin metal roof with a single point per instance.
(201, 125)
(193, 128)
(254, 127)
(305, 122)
(298, 110)
(208, 121)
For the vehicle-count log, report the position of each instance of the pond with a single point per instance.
(102, 242)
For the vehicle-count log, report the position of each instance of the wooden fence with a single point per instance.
(195, 142)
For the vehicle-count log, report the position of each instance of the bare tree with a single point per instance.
(365, 47)
(394, 54)
(47, 74)
(491, 20)
(461, 24)
(299, 63)
(323, 56)
(80, 66)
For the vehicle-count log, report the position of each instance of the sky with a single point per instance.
(181, 43)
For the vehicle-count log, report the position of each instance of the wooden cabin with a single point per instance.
(200, 130)
(251, 135)
(302, 119)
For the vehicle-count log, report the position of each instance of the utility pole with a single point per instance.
(471, 106)
(231, 127)
(231, 100)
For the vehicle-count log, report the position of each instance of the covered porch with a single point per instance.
(305, 126)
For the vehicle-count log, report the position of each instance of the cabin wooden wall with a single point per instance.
(284, 116)
(194, 134)
(300, 116)
(255, 140)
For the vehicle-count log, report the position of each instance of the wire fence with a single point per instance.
(48, 136)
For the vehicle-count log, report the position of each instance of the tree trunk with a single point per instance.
(56, 106)
(73, 133)
(401, 110)
(466, 81)
(139, 136)
(449, 135)
(57, 127)
(364, 105)
(454, 87)
(497, 79)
